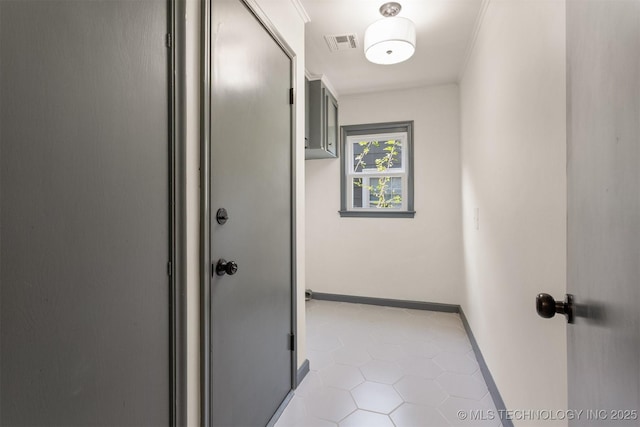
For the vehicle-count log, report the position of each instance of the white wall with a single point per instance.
(422, 259)
(289, 24)
(513, 171)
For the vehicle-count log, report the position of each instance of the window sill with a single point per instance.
(376, 214)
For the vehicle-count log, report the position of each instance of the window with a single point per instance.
(377, 170)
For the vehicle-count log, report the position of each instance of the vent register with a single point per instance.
(337, 43)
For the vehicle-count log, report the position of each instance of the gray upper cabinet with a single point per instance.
(321, 129)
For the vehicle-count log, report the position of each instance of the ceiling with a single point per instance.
(444, 32)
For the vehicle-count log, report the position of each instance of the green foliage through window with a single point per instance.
(385, 154)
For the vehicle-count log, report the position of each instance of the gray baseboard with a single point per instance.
(430, 306)
(486, 374)
(303, 370)
(386, 302)
(274, 419)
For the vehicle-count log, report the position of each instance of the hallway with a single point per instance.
(382, 366)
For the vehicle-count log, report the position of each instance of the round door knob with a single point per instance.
(226, 267)
(547, 306)
(222, 216)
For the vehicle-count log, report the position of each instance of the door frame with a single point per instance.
(176, 268)
(205, 199)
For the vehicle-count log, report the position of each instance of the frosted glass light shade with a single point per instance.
(390, 40)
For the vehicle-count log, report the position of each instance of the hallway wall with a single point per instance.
(513, 118)
(420, 258)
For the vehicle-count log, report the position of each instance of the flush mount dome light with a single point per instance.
(391, 39)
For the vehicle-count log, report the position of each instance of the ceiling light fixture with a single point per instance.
(391, 39)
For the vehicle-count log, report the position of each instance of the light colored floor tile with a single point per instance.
(478, 376)
(419, 334)
(421, 391)
(421, 349)
(456, 362)
(310, 383)
(460, 385)
(328, 329)
(354, 334)
(294, 414)
(456, 345)
(376, 397)
(447, 332)
(388, 352)
(388, 335)
(362, 418)
(382, 371)
(342, 376)
(376, 366)
(319, 359)
(420, 367)
(314, 422)
(449, 319)
(351, 355)
(329, 404)
(411, 415)
(323, 342)
(471, 355)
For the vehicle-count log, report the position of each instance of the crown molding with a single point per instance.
(474, 38)
(301, 11)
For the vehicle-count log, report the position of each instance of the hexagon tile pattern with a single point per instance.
(383, 366)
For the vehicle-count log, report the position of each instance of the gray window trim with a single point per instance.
(367, 129)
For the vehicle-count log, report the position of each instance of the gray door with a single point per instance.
(603, 44)
(251, 179)
(84, 200)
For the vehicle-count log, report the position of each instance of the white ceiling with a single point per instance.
(444, 32)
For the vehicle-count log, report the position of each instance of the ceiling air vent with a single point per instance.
(341, 42)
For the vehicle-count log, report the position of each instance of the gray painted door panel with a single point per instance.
(603, 46)
(84, 291)
(251, 178)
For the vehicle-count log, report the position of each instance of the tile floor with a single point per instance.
(380, 366)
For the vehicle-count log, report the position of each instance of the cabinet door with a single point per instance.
(331, 124)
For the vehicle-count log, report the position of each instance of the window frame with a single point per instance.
(376, 131)
(367, 174)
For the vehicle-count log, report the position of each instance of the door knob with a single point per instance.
(547, 306)
(222, 216)
(226, 267)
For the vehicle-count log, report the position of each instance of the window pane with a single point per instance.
(385, 192)
(371, 155)
(357, 192)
